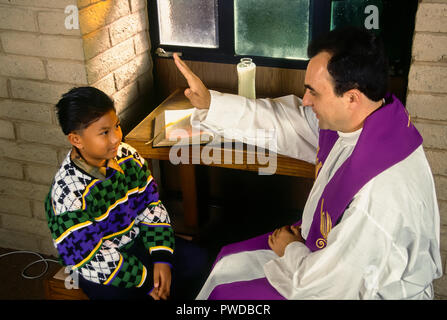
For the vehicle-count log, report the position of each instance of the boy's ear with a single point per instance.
(75, 139)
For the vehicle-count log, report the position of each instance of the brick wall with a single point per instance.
(427, 104)
(40, 59)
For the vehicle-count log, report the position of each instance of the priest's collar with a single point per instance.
(350, 137)
(96, 172)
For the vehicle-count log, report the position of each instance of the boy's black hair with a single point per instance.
(358, 61)
(80, 107)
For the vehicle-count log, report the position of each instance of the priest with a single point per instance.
(370, 226)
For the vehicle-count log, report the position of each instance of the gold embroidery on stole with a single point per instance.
(318, 164)
(325, 227)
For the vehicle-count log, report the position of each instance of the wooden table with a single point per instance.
(143, 132)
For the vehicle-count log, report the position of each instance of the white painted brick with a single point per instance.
(106, 84)
(38, 210)
(25, 224)
(40, 173)
(40, 3)
(53, 22)
(66, 71)
(125, 97)
(441, 188)
(14, 18)
(431, 17)
(103, 64)
(44, 134)
(50, 46)
(11, 169)
(131, 71)
(96, 42)
(142, 43)
(38, 91)
(29, 152)
(437, 160)
(24, 189)
(146, 83)
(3, 88)
(19, 240)
(47, 247)
(22, 67)
(7, 130)
(440, 286)
(426, 106)
(62, 154)
(126, 27)
(443, 238)
(136, 5)
(21, 110)
(430, 47)
(428, 78)
(98, 15)
(443, 211)
(435, 136)
(17, 206)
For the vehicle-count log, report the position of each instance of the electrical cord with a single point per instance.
(42, 259)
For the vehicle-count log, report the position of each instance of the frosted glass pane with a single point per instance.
(191, 23)
(277, 29)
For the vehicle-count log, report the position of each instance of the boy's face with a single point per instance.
(99, 142)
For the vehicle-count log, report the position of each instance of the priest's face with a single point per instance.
(331, 110)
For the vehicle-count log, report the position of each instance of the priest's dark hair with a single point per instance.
(358, 61)
(80, 107)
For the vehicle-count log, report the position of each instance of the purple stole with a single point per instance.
(388, 137)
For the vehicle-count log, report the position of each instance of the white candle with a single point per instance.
(246, 71)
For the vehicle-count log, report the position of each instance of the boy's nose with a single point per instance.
(116, 136)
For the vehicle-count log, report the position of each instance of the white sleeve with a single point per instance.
(293, 127)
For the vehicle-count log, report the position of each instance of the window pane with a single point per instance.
(191, 23)
(278, 29)
(360, 13)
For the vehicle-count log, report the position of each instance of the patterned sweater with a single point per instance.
(93, 221)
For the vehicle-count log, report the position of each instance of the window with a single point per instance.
(274, 33)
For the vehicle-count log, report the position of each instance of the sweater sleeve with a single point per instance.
(154, 223)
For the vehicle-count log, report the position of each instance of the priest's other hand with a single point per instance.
(197, 93)
(281, 237)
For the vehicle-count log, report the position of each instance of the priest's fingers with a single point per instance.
(296, 230)
(197, 93)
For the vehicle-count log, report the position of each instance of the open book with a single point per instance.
(173, 127)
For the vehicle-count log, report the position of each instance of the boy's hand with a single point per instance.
(281, 237)
(197, 93)
(162, 281)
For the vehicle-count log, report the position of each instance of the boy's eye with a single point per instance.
(105, 132)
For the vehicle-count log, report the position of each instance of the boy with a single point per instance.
(103, 210)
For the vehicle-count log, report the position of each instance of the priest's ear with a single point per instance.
(353, 98)
(75, 139)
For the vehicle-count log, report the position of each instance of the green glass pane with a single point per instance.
(360, 13)
(277, 29)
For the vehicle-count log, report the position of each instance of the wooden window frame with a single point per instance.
(226, 51)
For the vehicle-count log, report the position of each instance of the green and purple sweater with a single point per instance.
(94, 221)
